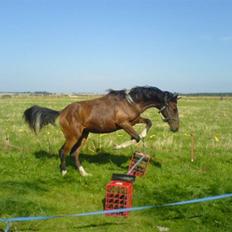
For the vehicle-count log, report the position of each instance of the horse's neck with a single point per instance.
(146, 105)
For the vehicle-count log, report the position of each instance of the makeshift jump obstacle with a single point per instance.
(119, 191)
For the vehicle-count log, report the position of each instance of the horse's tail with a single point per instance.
(37, 117)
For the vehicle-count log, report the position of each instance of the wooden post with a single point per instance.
(192, 146)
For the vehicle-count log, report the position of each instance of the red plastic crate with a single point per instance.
(118, 196)
(140, 169)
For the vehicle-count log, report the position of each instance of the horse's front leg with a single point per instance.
(134, 135)
(148, 123)
(142, 135)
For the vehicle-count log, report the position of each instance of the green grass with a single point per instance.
(31, 183)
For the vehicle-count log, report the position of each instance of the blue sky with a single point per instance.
(94, 45)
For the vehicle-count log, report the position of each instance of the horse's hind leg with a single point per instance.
(76, 152)
(63, 152)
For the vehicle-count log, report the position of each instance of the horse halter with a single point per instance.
(162, 108)
(165, 119)
(128, 97)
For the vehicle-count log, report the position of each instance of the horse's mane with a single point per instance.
(142, 93)
(119, 93)
(146, 93)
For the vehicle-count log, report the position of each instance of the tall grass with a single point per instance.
(32, 185)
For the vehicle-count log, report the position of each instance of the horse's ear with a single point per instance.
(170, 97)
(175, 96)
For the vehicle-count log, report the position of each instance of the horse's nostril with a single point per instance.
(174, 129)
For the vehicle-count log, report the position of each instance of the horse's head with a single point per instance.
(169, 111)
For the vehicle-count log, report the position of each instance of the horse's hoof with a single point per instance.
(87, 174)
(116, 147)
(83, 172)
(64, 172)
(125, 144)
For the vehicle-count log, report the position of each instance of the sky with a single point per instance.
(94, 45)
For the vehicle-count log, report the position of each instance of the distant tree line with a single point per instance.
(226, 94)
(42, 93)
(45, 93)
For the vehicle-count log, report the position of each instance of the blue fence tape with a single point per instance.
(101, 212)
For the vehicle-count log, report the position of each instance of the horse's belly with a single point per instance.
(102, 128)
(96, 131)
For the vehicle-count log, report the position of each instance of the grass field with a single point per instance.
(31, 183)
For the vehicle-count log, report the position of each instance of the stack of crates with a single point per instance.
(140, 169)
(119, 193)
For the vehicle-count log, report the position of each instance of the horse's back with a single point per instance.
(95, 115)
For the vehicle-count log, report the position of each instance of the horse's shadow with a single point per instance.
(104, 158)
(100, 157)
(42, 154)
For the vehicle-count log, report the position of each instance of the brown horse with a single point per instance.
(114, 111)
